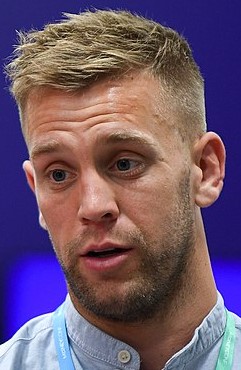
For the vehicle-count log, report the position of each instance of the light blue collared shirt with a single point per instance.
(32, 347)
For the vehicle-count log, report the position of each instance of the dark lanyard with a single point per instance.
(224, 362)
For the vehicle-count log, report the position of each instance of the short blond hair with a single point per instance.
(84, 48)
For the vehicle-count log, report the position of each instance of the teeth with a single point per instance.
(104, 253)
(104, 250)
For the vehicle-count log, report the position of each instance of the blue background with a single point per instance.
(30, 279)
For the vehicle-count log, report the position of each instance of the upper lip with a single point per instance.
(103, 247)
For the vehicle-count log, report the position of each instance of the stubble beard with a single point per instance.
(160, 281)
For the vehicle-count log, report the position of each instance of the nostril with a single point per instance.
(101, 211)
(108, 215)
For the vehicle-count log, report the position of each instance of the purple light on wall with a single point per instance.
(36, 286)
(228, 279)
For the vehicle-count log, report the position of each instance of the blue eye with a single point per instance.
(123, 164)
(58, 175)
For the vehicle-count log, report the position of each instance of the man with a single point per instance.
(112, 111)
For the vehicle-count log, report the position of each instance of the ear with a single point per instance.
(29, 172)
(209, 157)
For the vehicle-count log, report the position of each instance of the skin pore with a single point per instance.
(110, 171)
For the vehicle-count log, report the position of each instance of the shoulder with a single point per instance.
(30, 341)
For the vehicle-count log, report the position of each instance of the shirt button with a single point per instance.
(124, 356)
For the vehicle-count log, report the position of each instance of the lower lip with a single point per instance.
(105, 264)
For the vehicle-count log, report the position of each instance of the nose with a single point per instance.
(97, 201)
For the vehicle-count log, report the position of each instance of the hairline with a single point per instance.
(167, 94)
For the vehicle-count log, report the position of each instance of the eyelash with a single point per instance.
(138, 167)
(58, 171)
(68, 177)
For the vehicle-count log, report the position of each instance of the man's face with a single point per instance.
(113, 185)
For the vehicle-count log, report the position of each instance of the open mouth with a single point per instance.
(107, 253)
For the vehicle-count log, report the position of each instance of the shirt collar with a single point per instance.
(91, 340)
(205, 335)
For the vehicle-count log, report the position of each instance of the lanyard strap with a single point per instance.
(61, 340)
(224, 362)
(225, 358)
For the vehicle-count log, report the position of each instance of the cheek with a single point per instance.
(57, 217)
(151, 203)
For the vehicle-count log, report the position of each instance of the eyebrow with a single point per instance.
(45, 148)
(121, 136)
(130, 136)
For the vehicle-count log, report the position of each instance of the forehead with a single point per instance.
(136, 99)
(135, 85)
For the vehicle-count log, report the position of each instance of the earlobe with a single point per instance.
(28, 169)
(209, 154)
(42, 221)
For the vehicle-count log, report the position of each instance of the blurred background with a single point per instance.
(31, 282)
